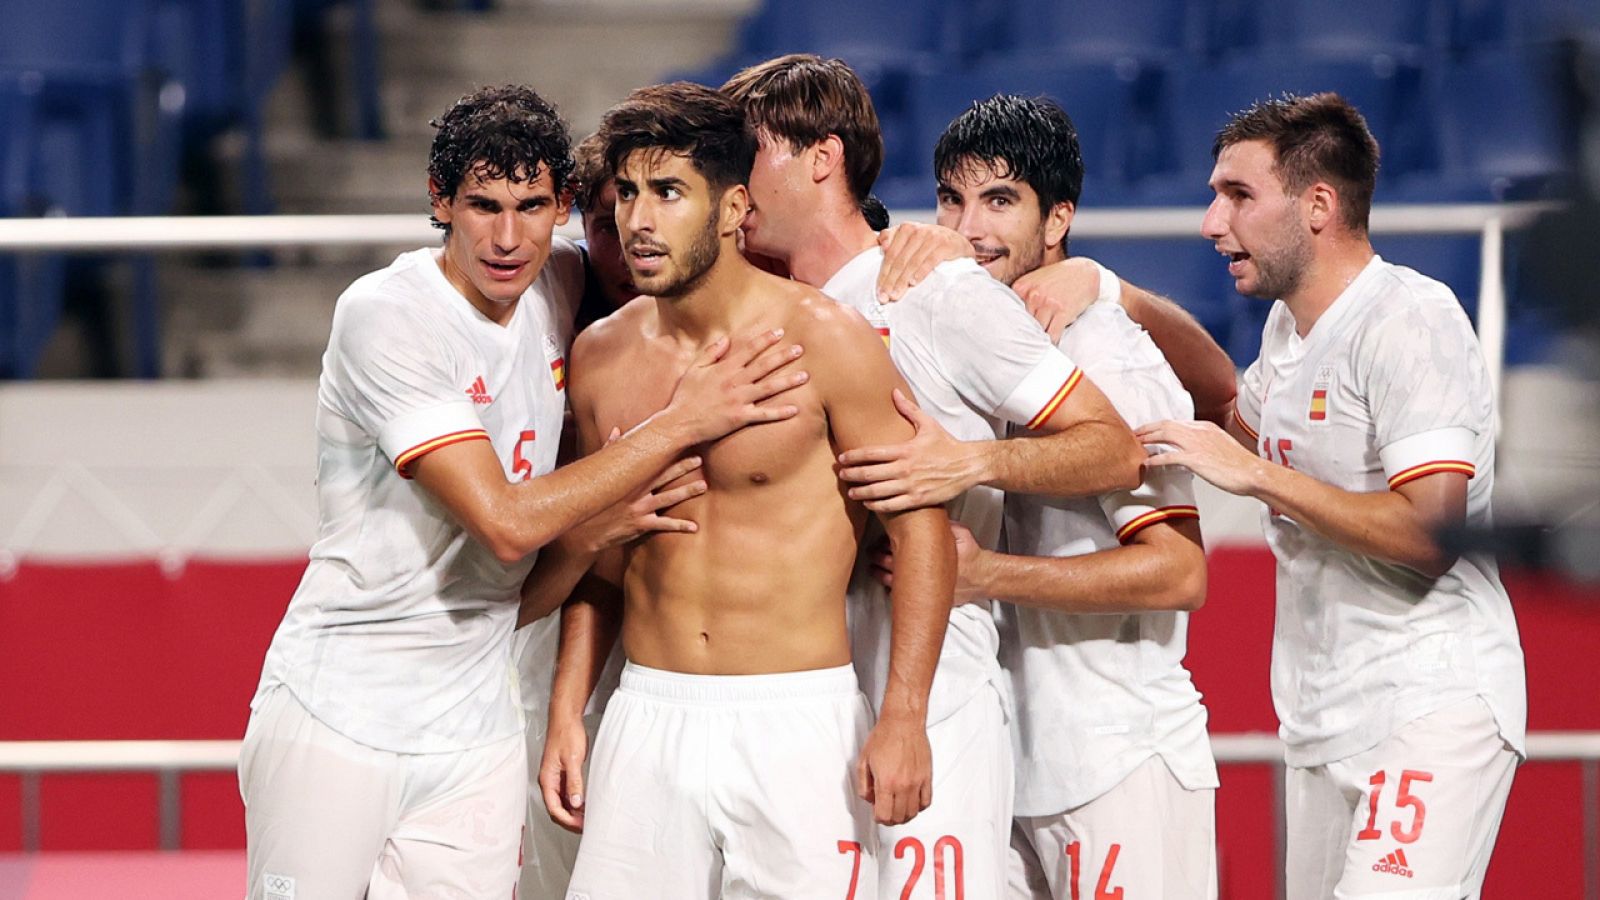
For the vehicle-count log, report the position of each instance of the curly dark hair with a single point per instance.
(498, 132)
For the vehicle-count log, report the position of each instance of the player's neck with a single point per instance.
(831, 241)
(1328, 276)
(719, 304)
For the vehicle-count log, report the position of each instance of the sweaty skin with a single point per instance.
(759, 587)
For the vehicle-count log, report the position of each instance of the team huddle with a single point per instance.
(750, 550)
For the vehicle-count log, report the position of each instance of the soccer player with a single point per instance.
(1115, 778)
(735, 760)
(1396, 669)
(975, 360)
(384, 755)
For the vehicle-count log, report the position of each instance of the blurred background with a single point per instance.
(158, 355)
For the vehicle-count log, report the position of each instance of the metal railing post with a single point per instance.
(30, 811)
(171, 791)
(1280, 829)
(1591, 829)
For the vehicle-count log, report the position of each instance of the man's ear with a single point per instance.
(733, 207)
(564, 205)
(439, 202)
(827, 157)
(1321, 205)
(1057, 222)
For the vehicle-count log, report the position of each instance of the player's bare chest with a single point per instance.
(759, 455)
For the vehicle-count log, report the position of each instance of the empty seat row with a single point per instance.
(968, 30)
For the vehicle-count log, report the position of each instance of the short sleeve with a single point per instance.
(996, 356)
(1166, 494)
(393, 377)
(1424, 388)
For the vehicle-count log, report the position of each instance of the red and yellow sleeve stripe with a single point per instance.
(1164, 514)
(1056, 399)
(402, 463)
(1239, 420)
(1430, 468)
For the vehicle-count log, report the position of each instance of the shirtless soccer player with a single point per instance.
(975, 360)
(384, 752)
(734, 759)
(1367, 424)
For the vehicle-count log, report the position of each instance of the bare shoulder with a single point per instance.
(613, 335)
(815, 315)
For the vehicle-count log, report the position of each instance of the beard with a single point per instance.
(1279, 273)
(701, 255)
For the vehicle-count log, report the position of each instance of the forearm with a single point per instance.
(536, 511)
(1380, 524)
(924, 585)
(1129, 579)
(558, 570)
(1084, 459)
(590, 622)
(1202, 367)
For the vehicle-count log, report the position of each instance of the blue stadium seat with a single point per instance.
(1480, 24)
(1352, 26)
(863, 30)
(102, 144)
(1200, 100)
(1109, 103)
(1503, 129)
(1095, 30)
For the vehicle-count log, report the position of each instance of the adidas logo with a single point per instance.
(479, 392)
(1395, 864)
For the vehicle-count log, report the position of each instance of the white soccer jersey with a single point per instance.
(975, 360)
(399, 635)
(1389, 386)
(1098, 695)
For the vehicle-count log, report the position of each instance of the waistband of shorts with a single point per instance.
(836, 682)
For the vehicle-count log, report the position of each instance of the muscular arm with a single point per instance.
(1083, 449)
(720, 392)
(1162, 567)
(896, 764)
(1396, 525)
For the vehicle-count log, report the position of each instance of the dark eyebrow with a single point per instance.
(671, 182)
(480, 198)
(1000, 190)
(1230, 184)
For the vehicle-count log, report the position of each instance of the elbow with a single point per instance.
(1185, 591)
(1433, 565)
(1127, 472)
(511, 544)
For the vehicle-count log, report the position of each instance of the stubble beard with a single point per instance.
(1279, 273)
(703, 253)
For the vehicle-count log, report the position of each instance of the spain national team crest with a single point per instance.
(558, 362)
(1320, 389)
(879, 319)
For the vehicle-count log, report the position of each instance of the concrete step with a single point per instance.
(252, 322)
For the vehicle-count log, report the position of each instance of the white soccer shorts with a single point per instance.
(957, 847)
(1148, 837)
(1414, 817)
(327, 818)
(730, 786)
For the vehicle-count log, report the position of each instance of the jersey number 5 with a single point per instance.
(521, 465)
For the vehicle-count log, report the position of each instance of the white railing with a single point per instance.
(197, 232)
(170, 759)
